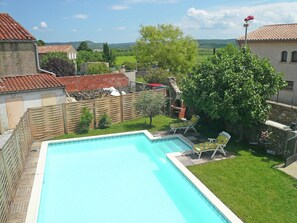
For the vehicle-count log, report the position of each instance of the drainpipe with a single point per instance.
(37, 62)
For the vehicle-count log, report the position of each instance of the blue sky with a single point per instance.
(119, 21)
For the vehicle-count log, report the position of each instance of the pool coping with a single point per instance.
(33, 208)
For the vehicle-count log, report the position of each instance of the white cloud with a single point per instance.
(80, 16)
(228, 22)
(119, 7)
(120, 28)
(41, 27)
(100, 30)
(74, 30)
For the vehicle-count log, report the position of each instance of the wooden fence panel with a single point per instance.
(73, 112)
(129, 111)
(109, 105)
(12, 162)
(46, 122)
(5, 191)
(23, 136)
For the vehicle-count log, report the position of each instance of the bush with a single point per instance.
(84, 121)
(104, 121)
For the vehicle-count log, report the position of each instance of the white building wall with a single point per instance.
(30, 99)
(273, 51)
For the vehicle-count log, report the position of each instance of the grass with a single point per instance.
(250, 185)
(159, 123)
(121, 59)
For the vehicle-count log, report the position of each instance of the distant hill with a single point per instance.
(203, 43)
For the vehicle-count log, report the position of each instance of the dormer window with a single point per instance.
(284, 56)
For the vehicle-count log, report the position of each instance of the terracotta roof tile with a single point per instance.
(278, 32)
(12, 30)
(54, 48)
(28, 83)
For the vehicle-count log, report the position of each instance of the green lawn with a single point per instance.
(159, 123)
(121, 59)
(250, 185)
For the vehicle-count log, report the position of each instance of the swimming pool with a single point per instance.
(122, 178)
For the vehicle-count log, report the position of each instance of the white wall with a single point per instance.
(272, 51)
(31, 99)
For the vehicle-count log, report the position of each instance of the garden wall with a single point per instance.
(282, 113)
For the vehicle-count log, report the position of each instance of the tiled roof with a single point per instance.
(11, 30)
(278, 32)
(94, 82)
(28, 83)
(54, 48)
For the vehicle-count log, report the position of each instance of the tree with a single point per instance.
(233, 85)
(58, 63)
(149, 104)
(156, 75)
(98, 68)
(88, 56)
(84, 46)
(108, 55)
(166, 47)
(40, 43)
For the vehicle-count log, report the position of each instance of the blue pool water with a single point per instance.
(119, 179)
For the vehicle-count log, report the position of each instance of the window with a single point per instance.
(290, 85)
(294, 56)
(284, 56)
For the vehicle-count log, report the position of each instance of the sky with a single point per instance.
(119, 21)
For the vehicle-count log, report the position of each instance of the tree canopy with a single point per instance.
(58, 63)
(108, 55)
(166, 47)
(233, 85)
(84, 46)
(84, 56)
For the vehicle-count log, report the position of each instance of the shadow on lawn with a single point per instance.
(143, 126)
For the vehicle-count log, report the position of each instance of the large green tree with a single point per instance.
(167, 47)
(150, 104)
(233, 85)
(58, 63)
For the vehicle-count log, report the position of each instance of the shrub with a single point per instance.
(84, 120)
(104, 121)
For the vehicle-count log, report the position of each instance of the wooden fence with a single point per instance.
(12, 162)
(50, 121)
(47, 122)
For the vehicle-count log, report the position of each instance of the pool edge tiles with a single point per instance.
(33, 208)
(221, 207)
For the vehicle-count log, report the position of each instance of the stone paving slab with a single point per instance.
(290, 170)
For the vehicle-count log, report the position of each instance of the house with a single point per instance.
(23, 84)
(69, 50)
(278, 43)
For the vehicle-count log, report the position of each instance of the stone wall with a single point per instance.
(17, 58)
(283, 113)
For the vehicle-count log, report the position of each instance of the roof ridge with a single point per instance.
(281, 24)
